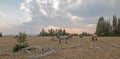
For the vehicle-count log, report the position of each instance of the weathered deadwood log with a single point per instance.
(113, 44)
(46, 51)
(49, 51)
(99, 48)
(75, 46)
(32, 47)
(42, 55)
(43, 49)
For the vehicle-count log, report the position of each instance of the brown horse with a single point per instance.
(94, 37)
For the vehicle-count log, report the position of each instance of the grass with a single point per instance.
(83, 52)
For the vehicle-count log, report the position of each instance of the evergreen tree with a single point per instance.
(115, 23)
(1, 34)
(51, 32)
(43, 33)
(85, 34)
(109, 26)
(100, 27)
(21, 37)
(21, 42)
(104, 28)
(118, 28)
(64, 32)
(60, 32)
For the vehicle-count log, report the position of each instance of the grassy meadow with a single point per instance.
(88, 50)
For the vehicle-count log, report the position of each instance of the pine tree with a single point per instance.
(64, 32)
(43, 33)
(100, 27)
(60, 32)
(1, 34)
(21, 42)
(21, 37)
(109, 28)
(115, 23)
(104, 28)
(118, 28)
(51, 32)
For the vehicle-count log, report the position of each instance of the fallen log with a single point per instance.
(71, 46)
(99, 48)
(49, 51)
(113, 44)
(42, 55)
(46, 50)
(27, 49)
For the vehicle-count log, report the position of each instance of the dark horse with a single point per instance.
(63, 38)
(94, 37)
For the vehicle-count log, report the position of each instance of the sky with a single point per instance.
(75, 16)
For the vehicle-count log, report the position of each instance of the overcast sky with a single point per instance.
(75, 16)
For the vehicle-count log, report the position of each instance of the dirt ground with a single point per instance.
(88, 49)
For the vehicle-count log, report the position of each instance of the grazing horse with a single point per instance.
(63, 38)
(94, 37)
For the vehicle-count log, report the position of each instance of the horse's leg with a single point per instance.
(66, 41)
(59, 41)
(92, 38)
(96, 38)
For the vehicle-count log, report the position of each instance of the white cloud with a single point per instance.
(2, 14)
(73, 15)
(91, 25)
(56, 4)
(43, 12)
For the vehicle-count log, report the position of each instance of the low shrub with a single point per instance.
(19, 46)
(81, 36)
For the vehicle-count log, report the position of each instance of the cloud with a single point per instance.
(74, 15)
(2, 14)
(94, 8)
(47, 13)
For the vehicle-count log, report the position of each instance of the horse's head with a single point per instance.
(94, 37)
(71, 36)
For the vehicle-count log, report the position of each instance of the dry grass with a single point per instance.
(86, 51)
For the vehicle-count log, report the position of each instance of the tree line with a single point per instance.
(108, 28)
(53, 32)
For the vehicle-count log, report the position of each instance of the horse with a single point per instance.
(62, 38)
(94, 37)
